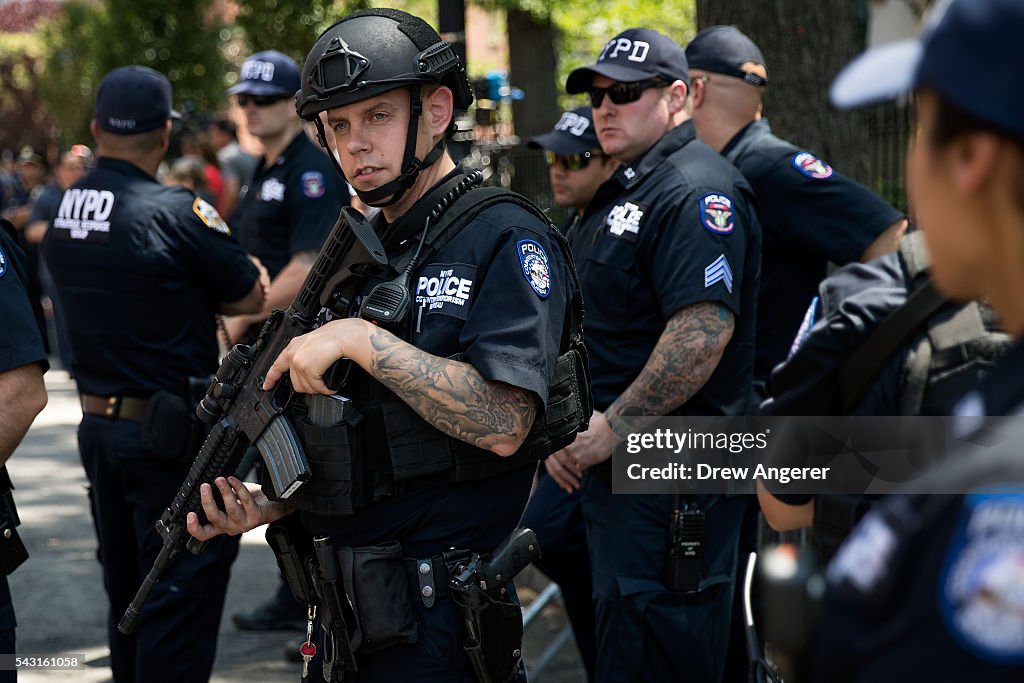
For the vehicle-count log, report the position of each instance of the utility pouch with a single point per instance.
(165, 427)
(568, 409)
(377, 587)
(12, 550)
(329, 434)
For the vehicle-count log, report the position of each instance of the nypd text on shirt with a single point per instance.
(83, 214)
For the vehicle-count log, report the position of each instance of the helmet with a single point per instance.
(373, 51)
(369, 53)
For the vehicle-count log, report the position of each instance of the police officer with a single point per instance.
(445, 401)
(142, 269)
(22, 392)
(927, 587)
(289, 206)
(810, 213)
(577, 167)
(668, 253)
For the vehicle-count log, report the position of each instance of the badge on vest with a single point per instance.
(981, 596)
(718, 271)
(811, 166)
(716, 213)
(83, 215)
(3, 261)
(536, 268)
(446, 289)
(313, 184)
(624, 220)
(210, 217)
(272, 190)
(804, 331)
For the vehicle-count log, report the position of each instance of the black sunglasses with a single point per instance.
(624, 93)
(260, 100)
(571, 162)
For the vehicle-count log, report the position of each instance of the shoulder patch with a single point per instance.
(209, 216)
(536, 268)
(981, 590)
(811, 166)
(3, 261)
(313, 184)
(718, 271)
(716, 213)
(810, 317)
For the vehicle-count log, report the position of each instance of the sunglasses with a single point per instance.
(571, 162)
(624, 93)
(260, 100)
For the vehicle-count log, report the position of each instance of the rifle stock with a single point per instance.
(241, 414)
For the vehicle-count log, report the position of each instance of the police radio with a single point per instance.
(389, 302)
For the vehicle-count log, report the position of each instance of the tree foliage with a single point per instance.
(179, 38)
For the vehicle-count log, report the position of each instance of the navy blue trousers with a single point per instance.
(645, 631)
(557, 519)
(176, 636)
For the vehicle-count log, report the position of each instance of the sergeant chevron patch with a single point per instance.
(718, 271)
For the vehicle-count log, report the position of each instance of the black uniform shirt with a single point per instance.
(810, 215)
(20, 341)
(140, 269)
(674, 229)
(495, 297)
(289, 207)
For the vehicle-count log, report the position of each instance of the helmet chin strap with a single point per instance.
(391, 192)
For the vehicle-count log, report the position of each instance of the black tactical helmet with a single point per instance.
(371, 52)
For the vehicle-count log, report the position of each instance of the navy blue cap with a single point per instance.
(969, 52)
(573, 134)
(636, 54)
(724, 50)
(267, 73)
(133, 99)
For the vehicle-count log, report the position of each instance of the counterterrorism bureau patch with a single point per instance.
(313, 184)
(716, 213)
(445, 288)
(536, 268)
(209, 216)
(811, 166)
(981, 590)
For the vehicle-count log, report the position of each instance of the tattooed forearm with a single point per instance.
(453, 396)
(686, 354)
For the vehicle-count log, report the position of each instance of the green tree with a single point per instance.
(179, 38)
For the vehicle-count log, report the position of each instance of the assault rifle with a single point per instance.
(241, 414)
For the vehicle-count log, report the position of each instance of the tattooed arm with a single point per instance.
(686, 354)
(688, 351)
(451, 395)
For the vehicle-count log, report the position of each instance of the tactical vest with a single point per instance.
(948, 345)
(380, 447)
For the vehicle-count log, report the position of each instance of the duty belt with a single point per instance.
(115, 407)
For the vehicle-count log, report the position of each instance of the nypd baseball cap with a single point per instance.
(267, 73)
(573, 134)
(133, 99)
(969, 52)
(636, 54)
(725, 50)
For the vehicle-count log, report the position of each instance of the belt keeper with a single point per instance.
(425, 574)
